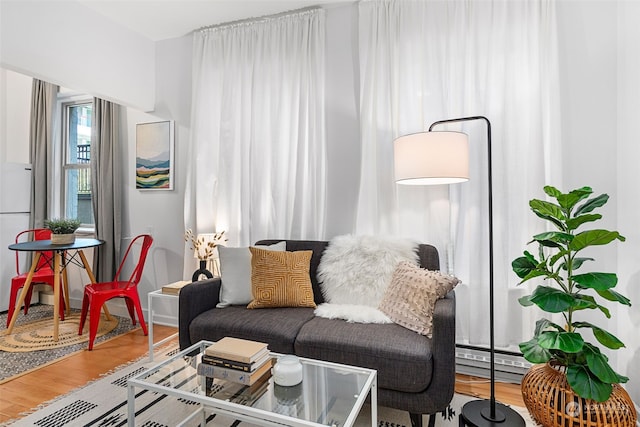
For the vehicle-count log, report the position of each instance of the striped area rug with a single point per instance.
(104, 403)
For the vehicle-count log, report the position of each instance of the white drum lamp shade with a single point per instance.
(431, 158)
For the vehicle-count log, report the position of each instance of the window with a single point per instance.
(76, 165)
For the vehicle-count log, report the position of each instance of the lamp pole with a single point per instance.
(482, 413)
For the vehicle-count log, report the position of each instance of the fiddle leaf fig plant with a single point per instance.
(567, 289)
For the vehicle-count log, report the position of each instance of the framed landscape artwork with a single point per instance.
(154, 156)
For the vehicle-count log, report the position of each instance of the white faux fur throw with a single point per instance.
(352, 313)
(358, 269)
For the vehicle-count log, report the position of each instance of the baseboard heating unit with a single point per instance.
(509, 366)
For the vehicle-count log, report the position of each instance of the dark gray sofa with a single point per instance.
(415, 373)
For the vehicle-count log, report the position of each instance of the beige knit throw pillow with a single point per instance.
(411, 297)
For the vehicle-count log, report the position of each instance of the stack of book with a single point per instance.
(174, 288)
(237, 360)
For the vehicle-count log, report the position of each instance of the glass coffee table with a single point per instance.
(330, 394)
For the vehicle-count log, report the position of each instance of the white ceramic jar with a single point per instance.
(287, 371)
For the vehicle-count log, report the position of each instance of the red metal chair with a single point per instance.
(43, 274)
(96, 294)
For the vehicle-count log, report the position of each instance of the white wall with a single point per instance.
(159, 212)
(15, 110)
(68, 44)
(173, 74)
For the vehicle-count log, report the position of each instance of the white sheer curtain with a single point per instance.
(422, 61)
(258, 149)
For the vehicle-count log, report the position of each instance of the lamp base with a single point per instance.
(477, 413)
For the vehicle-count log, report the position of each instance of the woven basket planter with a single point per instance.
(63, 239)
(551, 402)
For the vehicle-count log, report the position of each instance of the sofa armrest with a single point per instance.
(195, 299)
(444, 346)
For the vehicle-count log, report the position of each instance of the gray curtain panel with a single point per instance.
(43, 104)
(106, 186)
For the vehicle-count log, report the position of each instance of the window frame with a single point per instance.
(62, 163)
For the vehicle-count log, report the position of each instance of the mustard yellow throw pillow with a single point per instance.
(411, 297)
(280, 279)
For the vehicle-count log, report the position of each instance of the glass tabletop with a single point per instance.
(329, 394)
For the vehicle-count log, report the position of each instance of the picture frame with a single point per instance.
(155, 155)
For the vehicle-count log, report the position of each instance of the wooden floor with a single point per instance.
(506, 393)
(28, 391)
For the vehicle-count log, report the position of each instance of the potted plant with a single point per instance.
(204, 248)
(565, 292)
(62, 230)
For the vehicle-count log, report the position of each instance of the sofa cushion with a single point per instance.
(235, 270)
(390, 349)
(280, 279)
(410, 298)
(276, 326)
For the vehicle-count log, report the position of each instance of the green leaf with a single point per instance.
(554, 236)
(569, 342)
(612, 295)
(576, 222)
(523, 266)
(560, 255)
(593, 238)
(598, 364)
(530, 257)
(605, 338)
(586, 384)
(597, 281)
(525, 301)
(549, 244)
(552, 191)
(532, 351)
(551, 300)
(527, 267)
(592, 204)
(535, 273)
(582, 302)
(577, 262)
(569, 200)
(543, 325)
(549, 211)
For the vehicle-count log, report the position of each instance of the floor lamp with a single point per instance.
(442, 157)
